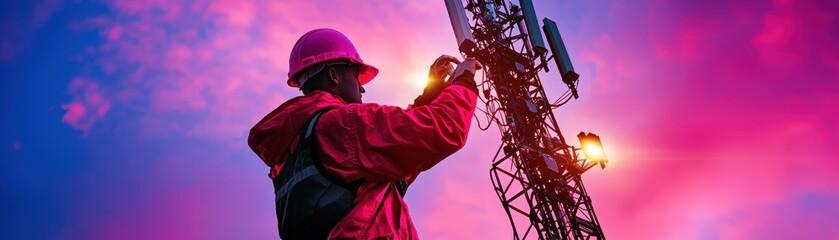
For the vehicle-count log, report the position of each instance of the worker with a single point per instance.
(339, 166)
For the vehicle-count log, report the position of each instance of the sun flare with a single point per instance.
(417, 80)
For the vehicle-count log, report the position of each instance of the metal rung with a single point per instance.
(588, 227)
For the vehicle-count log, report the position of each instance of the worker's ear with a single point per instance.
(333, 76)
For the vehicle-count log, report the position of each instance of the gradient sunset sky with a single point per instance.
(128, 119)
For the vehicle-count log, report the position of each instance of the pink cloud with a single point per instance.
(115, 33)
(788, 25)
(236, 13)
(88, 105)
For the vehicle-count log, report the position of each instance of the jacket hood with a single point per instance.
(272, 137)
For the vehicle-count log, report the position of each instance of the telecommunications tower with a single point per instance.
(535, 172)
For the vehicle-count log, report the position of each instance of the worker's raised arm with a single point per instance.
(386, 143)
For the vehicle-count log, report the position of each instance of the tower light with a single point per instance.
(593, 148)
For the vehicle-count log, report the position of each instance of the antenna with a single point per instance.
(462, 32)
(535, 35)
(563, 61)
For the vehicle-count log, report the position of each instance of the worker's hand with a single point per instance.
(439, 70)
(465, 73)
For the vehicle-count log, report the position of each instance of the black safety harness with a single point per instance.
(310, 201)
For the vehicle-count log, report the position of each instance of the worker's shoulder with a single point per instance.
(351, 116)
(362, 109)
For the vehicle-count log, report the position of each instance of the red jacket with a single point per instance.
(381, 144)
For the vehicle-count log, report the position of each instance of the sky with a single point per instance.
(128, 119)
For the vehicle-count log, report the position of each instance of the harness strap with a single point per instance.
(306, 172)
(299, 176)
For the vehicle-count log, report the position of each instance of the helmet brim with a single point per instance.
(366, 73)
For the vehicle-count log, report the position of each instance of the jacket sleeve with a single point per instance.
(387, 143)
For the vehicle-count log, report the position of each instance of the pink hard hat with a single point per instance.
(321, 45)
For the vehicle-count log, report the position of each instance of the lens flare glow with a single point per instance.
(593, 152)
(417, 80)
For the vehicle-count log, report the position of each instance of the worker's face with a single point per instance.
(348, 87)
